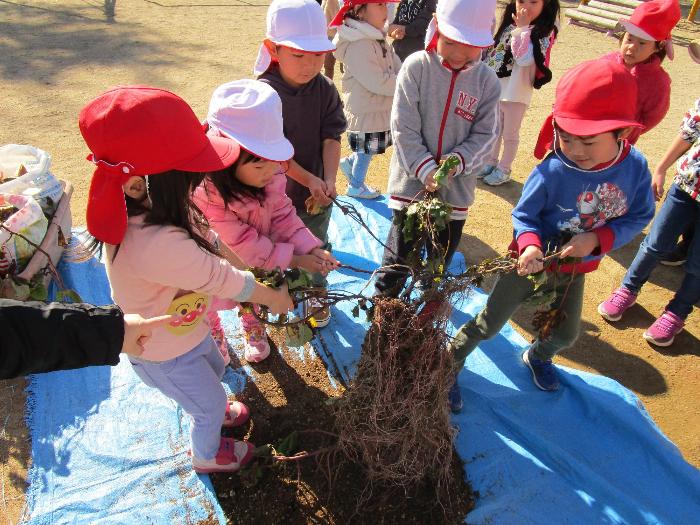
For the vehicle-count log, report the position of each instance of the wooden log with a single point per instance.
(622, 11)
(598, 12)
(595, 21)
(625, 3)
(693, 10)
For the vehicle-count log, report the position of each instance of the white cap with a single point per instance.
(250, 112)
(464, 21)
(299, 24)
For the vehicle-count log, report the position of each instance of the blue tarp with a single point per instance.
(107, 449)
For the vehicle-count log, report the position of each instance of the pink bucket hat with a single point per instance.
(464, 21)
(250, 112)
(299, 24)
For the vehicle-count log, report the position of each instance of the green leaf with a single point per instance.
(288, 445)
(298, 334)
(298, 278)
(66, 296)
(21, 290)
(38, 292)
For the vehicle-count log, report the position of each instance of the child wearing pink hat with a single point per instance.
(446, 104)
(369, 79)
(590, 195)
(643, 47)
(680, 213)
(246, 204)
(520, 55)
(290, 60)
(162, 259)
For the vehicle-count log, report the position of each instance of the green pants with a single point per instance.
(509, 292)
(318, 224)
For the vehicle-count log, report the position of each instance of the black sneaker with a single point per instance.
(677, 258)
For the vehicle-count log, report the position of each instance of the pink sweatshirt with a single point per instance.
(653, 92)
(159, 270)
(264, 234)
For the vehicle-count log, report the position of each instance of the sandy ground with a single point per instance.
(55, 56)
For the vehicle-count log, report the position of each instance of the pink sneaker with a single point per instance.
(256, 346)
(617, 304)
(232, 455)
(236, 414)
(664, 329)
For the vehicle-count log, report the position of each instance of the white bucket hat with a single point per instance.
(464, 21)
(250, 112)
(299, 24)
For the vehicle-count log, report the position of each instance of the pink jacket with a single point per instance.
(159, 270)
(653, 92)
(264, 235)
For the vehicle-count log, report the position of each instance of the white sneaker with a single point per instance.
(497, 177)
(486, 169)
(364, 192)
(321, 312)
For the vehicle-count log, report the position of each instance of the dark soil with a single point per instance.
(290, 394)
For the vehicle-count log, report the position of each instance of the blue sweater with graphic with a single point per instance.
(559, 201)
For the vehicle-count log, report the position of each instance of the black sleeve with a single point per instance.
(39, 337)
(419, 25)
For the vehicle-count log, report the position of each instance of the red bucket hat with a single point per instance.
(591, 98)
(349, 4)
(139, 130)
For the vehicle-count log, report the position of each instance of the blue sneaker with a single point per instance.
(544, 373)
(455, 398)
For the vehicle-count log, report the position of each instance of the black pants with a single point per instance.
(391, 283)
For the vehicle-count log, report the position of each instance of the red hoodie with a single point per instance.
(653, 92)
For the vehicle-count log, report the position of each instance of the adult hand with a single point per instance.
(530, 261)
(397, 31)
(319, 190)
(138, 330)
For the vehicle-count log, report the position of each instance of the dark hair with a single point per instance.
(170, 194)
(354, 13)
(660, 47)
(543, 24)
(229, 186)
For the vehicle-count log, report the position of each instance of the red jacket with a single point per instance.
(653, 92)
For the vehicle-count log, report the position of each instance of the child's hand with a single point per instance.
(530, 261)
(580, 245)
(138, 330)
(318, 189)
(316, 261)
(280, 301)
(396, 31)
(521, 17)
(430, 184)
(657, 183)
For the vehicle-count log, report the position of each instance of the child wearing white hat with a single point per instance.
(369, 80)
(290, 60)
(446, 104)
(246, 204)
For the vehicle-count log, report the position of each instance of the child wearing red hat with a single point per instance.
(445, 105)
(520, 57)
(680, 213)
(369, 79)
(643, 47)
(246, 204)
(290, 60)
(590, 195)
(162, 259)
